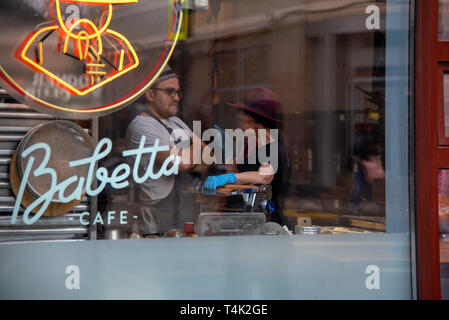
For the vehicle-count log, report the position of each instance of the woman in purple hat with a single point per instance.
(259, 114)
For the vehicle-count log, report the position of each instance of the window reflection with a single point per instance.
(328, 72)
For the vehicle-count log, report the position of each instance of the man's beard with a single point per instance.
(174, 110)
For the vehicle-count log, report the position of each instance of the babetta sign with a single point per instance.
(118, 178)
(84, 58)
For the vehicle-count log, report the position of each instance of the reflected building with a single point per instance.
(325, 65)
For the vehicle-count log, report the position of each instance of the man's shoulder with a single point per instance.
(142, 122)
(178, 122)
(146, 126)
(177, 119)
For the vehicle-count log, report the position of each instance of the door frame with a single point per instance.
(430, 155)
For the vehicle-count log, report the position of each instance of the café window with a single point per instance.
(321, 79)
(281, 124)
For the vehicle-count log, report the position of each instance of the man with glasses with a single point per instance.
(162, 206)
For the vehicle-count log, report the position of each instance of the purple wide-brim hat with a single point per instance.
(261, 101)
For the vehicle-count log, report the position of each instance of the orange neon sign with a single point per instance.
(104, 54)
(88, 66)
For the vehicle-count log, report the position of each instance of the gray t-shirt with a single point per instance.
(152, 190)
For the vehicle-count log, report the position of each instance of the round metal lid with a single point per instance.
(67, 142)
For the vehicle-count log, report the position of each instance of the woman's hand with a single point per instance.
(213, 182)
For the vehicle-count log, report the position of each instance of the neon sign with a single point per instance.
(118, 46)
(87, 46)
(117, 179)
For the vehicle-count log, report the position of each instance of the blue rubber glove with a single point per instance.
(213, 182)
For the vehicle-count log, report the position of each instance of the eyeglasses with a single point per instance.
(172, 92)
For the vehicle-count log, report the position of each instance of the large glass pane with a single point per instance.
(329, 87)
(305, 106)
